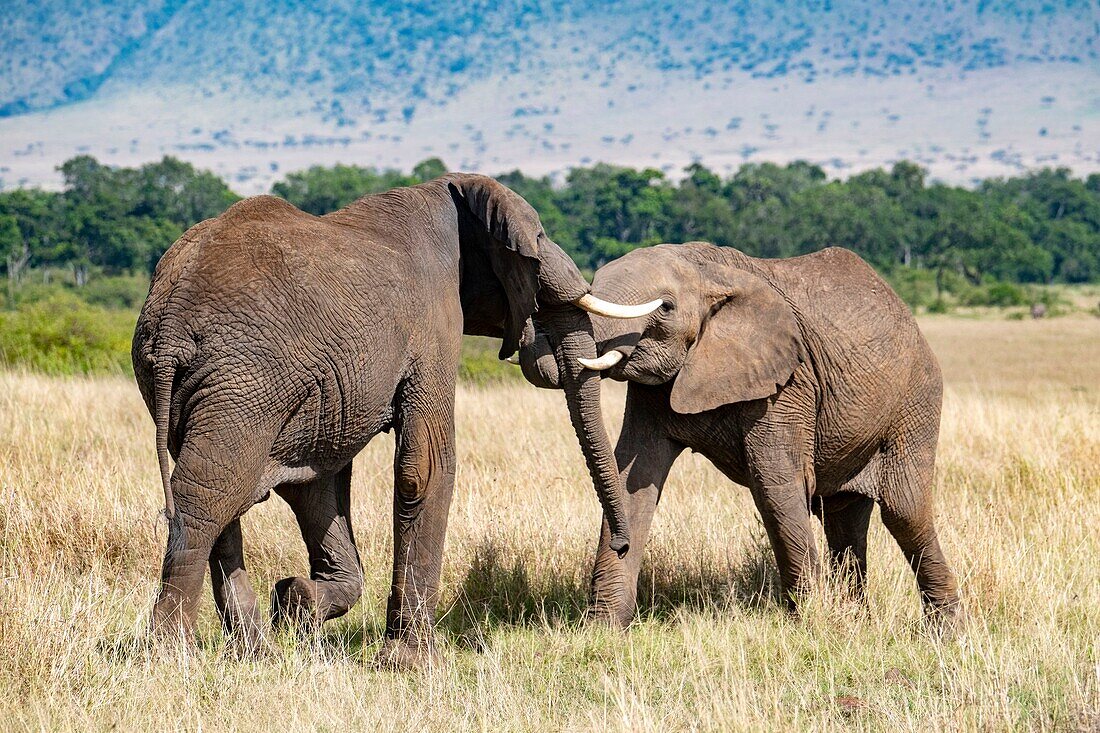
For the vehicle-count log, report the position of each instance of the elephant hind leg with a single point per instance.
(211, 491)
(190, 540)
(233, 594)
(323, 510)
(907, 512)
(846, 517)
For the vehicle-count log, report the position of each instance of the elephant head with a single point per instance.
(509, 270)
(721, 334)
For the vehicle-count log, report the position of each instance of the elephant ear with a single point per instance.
(748, 347)
(513, 264)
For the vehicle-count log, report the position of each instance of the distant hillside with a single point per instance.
(348, 56)
(548, 82)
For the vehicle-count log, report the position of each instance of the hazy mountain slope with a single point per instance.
(348, 53)
(57, 51)
(261, 86)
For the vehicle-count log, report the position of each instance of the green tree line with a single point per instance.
(76, 262)
(1043, 227)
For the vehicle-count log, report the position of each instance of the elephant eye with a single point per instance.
(667, 306)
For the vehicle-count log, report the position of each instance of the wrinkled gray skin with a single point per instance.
(806, 380)
(275, 344)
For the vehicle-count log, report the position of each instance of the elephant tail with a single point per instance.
(163, 377)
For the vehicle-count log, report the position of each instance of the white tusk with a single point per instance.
(592, 304)
(513, 359)
(606, 361)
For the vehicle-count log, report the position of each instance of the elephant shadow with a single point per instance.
(499, 590)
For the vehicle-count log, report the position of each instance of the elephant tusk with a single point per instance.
(606, 361)
(513, 359)
(592, 304)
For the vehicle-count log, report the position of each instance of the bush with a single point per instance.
(58, 333)
(108, 291)
(32, 291)
(939, 306)
(63, 335)
(480, 364)
(999, 294)
(914, 286)
(125, 291)
(1051, 297)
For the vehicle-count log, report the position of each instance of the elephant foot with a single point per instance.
(249, 643)
(169, 625)
(599, 615)
(168, 633)
(295, 604)
(399, 655)
(943, 621)
(168, 642)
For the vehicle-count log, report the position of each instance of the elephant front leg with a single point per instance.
(424, 471)
(785, 512)
(644, 456)
(613, 597)
(779, 448)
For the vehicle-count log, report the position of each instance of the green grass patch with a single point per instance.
(58, 331)
(62, 334)
(480, 363)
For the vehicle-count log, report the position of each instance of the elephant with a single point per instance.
(805, 379)
(275, 344)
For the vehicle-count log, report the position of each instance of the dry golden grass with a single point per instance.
(1019, 504)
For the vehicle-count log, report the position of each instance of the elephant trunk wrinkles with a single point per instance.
(560, 281)
(582, 393)
(538, 360)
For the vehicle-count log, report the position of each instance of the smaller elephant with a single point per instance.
(804, 379)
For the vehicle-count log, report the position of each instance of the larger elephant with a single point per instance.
(275, 344)
(805, 379)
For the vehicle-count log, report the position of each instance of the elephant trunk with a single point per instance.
(582, 395)
(565, 301)
(537, 358)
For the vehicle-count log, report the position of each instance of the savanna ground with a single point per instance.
(1019, 505)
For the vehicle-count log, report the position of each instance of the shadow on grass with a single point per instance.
(342, 639)
(500, 591)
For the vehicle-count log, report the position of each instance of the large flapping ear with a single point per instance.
(523, 263)
(748, 346)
